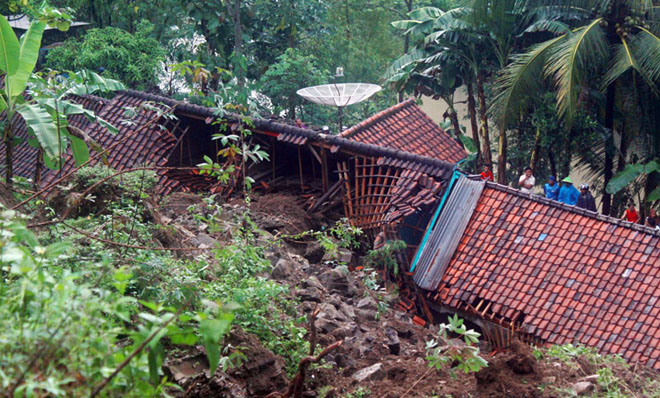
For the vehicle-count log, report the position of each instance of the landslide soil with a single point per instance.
(367, 336)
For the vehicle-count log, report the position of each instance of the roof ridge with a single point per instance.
(360, 147)
(573, 209)
(377, 117)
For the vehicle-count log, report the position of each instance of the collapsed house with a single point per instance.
(515, 264)
(525, 266)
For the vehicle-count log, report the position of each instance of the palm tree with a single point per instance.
(618, 40)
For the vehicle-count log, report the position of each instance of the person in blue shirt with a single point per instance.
(568, 193)
(551, 188)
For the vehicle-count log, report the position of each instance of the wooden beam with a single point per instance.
(327, 196)
(313, 151)
(302, 181)
(324, 169)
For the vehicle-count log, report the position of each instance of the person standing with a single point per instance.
(551, 188)
(630, 214)
(487, 174)
(586, 199)
(568, 193)
(527, 181)
(653, 220)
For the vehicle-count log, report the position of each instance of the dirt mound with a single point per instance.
(260, 373)
(282, 212)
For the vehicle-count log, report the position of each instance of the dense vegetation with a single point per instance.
(550, 84)
(554, 85)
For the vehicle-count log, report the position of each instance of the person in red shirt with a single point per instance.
(631, 214)
(487, 174)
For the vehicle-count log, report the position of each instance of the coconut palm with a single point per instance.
(619, 40)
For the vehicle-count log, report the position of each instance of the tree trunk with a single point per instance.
(234, 10)
(483, 116)
(9, 155)
(609, 156)
(536, 151)
(553, 163)
(38, 168)
(406, 43)
(453, 117)
(472, 112)
(501, 157)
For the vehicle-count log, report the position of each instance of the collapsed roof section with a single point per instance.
(406, 127)
(555, 273)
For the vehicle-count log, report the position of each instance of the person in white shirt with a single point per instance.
(527, 181)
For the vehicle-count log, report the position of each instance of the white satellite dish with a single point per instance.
(339, 94)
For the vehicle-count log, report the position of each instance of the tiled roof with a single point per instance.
(406, 127)
(561, 274)
(431, 165)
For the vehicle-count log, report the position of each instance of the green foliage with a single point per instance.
(341, 235)
(466, 356)
(292, 72)
(632, 172)
(384, 257)
(66, 328)
(360, 392)
(133, 59)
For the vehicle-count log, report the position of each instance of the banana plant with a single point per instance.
(53, 101)
(46, 109)
(635, 172)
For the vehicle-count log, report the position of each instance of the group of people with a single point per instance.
(567, 193)
(564, 193)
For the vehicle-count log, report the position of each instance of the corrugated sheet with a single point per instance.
(447, 233)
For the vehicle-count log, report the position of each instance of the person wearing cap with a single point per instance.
(551, 188)
(586, 199)
(527, 181)
(568, 193)
(630, 214)
(487, 174)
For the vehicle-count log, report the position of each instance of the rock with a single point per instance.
(590, 378)
(341, 333)
(204, 241)
(549, 380)
(344, 361)
(310, 294)
(312, 281)
(582, 387)
(314, 252)
(341, 255)
(368, 315)
(326, 325)
(367, 303)
(284, 269)
(393, 341)
(337, 280)
(272, 256)
(373, 372)
(347, 310)
(330, 312)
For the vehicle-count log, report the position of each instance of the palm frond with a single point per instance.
(647, 49)
(571, 60)
(520, 79)
(625, 59)
(554, 27)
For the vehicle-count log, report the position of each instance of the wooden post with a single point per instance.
(324, 169)
(272, 159)
(302, 181)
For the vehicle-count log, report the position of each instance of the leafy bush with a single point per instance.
(466, 356)
(134, 59)
(65, 333)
